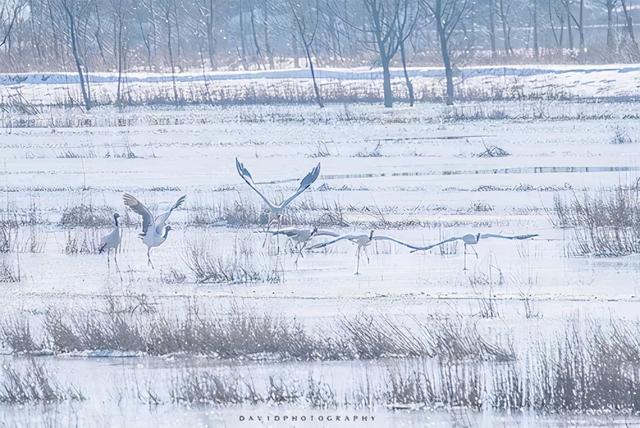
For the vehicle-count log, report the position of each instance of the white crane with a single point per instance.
(301, 237)
(276, 210)
(362, 242)
(154, 231)
(471, 239)
(111, 241)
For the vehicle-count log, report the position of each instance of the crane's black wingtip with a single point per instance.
(244, 172)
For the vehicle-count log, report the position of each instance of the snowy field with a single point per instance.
(418, 174)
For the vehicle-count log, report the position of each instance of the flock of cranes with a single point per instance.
(155, 230)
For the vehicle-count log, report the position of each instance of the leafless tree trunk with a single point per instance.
(383, 16)
(403, 58)
(405, 24)
(207, 12)
(167, 18)
(558, 35)
(506, 30)
(243, 43)
(254, 34)
(120, 42)
(307, 32)
(579, 23)
(447, 15)
(569, 29)
(492, 29)
(536, 45)
(294, 47)
(72, 12)
(610, 5)
(146, 39)
(97, 34)
(8, 18)
(265, 29)
(635, 51)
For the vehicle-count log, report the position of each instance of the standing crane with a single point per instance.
(111, 241)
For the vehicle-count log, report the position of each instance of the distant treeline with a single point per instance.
(88, 36)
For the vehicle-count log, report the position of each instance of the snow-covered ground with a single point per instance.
(411, 173)
(232, 87)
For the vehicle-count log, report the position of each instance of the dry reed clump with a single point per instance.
(16, 333)
(12, 224)
(240, 267)
(604, 224)
(82, 241)
(593, 369)
(70, 154)
(9, 271)
(243, 334)
(492, 152)
(564, 375)
(192, 387)
(585, 367)
(208, 388)
(86, 215)
(33, 384)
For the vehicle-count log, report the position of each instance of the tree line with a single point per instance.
(121, 36)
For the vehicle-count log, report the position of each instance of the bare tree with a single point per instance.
(207, 15)
(254, 33)
(635, 51)
(243, 44)
(555, 13)
(610, 6)
(506, 28)
(534, 28)
(492, 28)
(120, 10)
(578, 21)
(406, 22)
(266, 8)
(168, 9)
(447, 14)
(75, 10)
(383, 16)
(306, 17)
(8, 16)
(146, 22)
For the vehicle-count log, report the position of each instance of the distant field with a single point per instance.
(608, 82)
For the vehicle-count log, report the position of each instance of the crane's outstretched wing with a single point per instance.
(397, 241)
(428, 247)
(287, 231)
(307, 181)
(493, 235)
(333, 241)
(162, 218)
(246, 176)
(138, 208)
(322, 232)
(292, 231)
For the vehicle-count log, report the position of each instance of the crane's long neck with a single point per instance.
(166, 233)
(115, 219)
